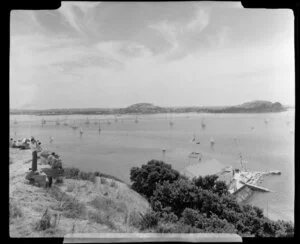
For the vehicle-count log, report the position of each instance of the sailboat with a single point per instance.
(212, 143)
(43, 122)
(171, 123)
(203, 125)
(194, 138)
(74, 126)
(51, 139)
(95, 123)
(136, 120)
(15, 122)
(87, 122)
(266, 121)
(81, 132)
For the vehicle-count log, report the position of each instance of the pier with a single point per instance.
(256, 187)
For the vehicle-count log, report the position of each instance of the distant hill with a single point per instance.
(143, 108)
(257, 106)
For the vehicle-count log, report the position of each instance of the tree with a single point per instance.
(177, 196)
(154, 172)
(211, 183)
(190, 216)
(206, 182)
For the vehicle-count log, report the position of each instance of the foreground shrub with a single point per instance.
(133, 218)
(190, 216)
(71, 173)
(177, 227)
(75, 173)
(149, 220)
(45, 222)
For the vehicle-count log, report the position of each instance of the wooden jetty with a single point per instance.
(256, 187)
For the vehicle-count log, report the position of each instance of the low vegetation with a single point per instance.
(77, 174)
(14, 210)
(199, 205)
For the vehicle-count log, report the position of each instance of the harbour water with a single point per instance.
(125, 143)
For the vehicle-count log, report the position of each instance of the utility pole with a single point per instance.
(267, 210)
(241, 161)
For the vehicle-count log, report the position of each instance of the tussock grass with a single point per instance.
(103, 181)
(45, 222)
(70, 206)
(106, 204)
(134, 219)
(70, 188)
(14, 210)
(113, 184)
(102, 218)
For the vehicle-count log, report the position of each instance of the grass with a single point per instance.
(102, 218)
(14, 210)
(133, 218)
(106, 204)
(113, 184)
(103, 181)
(70, 206)
(70, 188)
(45, 222)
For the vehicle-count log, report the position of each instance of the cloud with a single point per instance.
(167, 53)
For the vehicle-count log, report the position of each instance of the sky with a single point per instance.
(114, 54)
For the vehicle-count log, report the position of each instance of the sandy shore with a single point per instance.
(205, 167)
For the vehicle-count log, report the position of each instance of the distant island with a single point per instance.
(148, 108)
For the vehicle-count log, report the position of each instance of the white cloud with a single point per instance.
(95, 70)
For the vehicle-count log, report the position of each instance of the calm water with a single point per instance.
(125, 144)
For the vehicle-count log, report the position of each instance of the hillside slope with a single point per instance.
(73, 206)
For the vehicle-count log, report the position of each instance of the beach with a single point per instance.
(203, 168)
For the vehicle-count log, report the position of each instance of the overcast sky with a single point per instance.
(170, 54)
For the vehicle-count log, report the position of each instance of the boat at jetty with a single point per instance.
(237, 181)
(194, 155)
